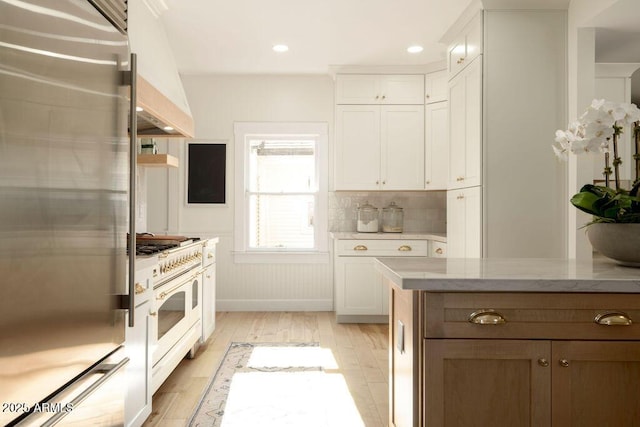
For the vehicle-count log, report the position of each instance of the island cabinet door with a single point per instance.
(498, 383)
(596, 383)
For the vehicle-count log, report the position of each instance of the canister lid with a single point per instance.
(392, 207)
(367, 207)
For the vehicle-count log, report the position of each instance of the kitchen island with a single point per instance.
(506, 342)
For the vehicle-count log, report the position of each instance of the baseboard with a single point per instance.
(274, 305)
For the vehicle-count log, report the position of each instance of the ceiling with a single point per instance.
(236, 37)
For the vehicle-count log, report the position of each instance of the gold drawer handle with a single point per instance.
(487, 317)
(404, 248)
(613, 318)
(439, 251)
(360, 248)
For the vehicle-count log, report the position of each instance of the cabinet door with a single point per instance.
(138, 400)
(402, 142)
(435, 87)
(596, 383)
(357, 89)
(464, 223)
(357, 165)
(487, 383)
(208, 301)
(465, 127)
(358, 286)
(402, 89)
(436, 146)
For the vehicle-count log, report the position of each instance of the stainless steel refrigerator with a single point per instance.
(64, 213)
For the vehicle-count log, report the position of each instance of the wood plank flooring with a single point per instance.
(361, 351)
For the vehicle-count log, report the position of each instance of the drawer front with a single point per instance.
(531, 316)
(438, 250)
(377, 248)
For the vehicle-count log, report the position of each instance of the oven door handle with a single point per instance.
(164, 294)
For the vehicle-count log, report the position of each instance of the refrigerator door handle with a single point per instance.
(133, 152)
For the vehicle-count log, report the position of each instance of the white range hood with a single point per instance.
(162, 102)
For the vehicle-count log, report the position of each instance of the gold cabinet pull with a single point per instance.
(460, 178)
(139, 289)
(613, 318)
(564, 363)
(404, 248)
(439, 251)
(543, 362)
(209, 256)
(460, 197)
(153, 313)
(360, 248)
(487, 317)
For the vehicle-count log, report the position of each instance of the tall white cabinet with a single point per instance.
(505, 103)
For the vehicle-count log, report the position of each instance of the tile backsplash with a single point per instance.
(424, 211)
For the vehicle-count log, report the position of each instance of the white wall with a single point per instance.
(216, 103)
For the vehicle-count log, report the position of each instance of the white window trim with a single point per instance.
(242, 253)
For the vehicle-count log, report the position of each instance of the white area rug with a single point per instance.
(273, 384)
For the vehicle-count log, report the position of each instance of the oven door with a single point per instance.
(173, 302)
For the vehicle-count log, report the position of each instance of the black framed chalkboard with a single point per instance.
(206, 173)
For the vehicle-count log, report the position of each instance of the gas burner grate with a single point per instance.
(150, 249)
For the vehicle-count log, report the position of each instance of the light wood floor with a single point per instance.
(361, 351)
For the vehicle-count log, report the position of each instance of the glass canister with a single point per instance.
(367, 218)
(392, 218)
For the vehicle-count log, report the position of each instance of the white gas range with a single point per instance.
(176, 303)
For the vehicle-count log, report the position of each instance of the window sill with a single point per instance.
(281, 257)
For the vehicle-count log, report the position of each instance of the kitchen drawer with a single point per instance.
(530, 315)
(377, 248)
(437, 249)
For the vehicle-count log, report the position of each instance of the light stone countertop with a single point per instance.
(352, 235)
(509, 275)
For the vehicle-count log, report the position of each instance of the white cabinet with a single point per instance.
(435, 87)
(380, 89)
(208, 288)
(379, 147)
(436, 146)
(138, 400)
(465, 127)
(464, 223)
(360, 295)
(465, 47)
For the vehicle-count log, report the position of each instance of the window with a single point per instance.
(281, 192)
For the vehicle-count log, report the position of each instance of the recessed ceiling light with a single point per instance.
(167, 128)
(280, 48)
(138, 109)
(415, 49)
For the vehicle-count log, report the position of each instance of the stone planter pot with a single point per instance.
(620, 242)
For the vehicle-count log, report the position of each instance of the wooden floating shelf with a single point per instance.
(158, 160)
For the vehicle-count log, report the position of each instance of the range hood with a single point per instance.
(158, 116)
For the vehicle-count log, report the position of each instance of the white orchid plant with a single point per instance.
(598, 131)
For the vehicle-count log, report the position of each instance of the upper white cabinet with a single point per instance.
(436, 146)
(380, 89)
(466, 46)
(379, 147)
(465, 127)
(435, 87)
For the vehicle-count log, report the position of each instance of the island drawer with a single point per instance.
(531, 315)
(382, 247)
